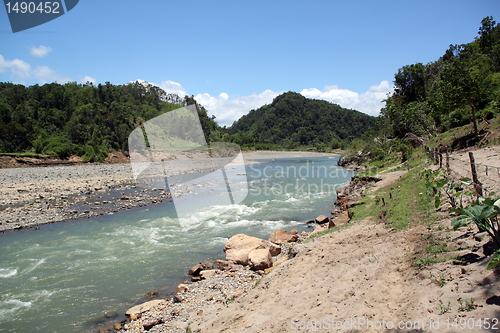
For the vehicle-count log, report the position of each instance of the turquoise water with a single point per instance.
(66, 277)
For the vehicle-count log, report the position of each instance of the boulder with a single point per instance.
(138, 309)
(223, 265)
(239, 246)
(178, 299)
(342, 218)
(208, 273)
(341, 201)
(182, 288)
(260, 259)
(152, 323)
(322, 219)
(283, 236)
(196, 269)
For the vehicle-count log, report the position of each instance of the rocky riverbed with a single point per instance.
(33, 196)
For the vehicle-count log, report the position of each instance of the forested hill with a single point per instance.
(293, 120)
(83, 120)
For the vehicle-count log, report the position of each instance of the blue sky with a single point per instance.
(234, 56)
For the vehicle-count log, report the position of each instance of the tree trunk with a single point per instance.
(474, 120)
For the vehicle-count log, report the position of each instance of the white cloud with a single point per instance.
(18, 68)
(172, 87)
(369, 102)
(40, 51)
(227, 110)
(45, 74)
(87, 78)
(21, 71)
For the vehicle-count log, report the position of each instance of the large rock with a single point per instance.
(223, 265)
(208, 273)
(143, 307)
(195, 271)
(283, 236)
(260, 259)
(239, 246)
(322, 219)
(182, 288)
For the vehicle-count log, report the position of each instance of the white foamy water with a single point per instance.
(7, 272)
(65, 277)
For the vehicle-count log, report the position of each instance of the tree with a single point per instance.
(485, 33)
(410, 83)
(463, 80)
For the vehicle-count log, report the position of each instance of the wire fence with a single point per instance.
(486, 178)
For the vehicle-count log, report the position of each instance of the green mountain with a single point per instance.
(293, 120)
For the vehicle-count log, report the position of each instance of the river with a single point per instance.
(79, 275)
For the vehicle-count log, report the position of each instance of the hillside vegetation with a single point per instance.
(83, 120)
(293, 120)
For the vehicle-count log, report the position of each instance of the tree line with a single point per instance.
(83, 119)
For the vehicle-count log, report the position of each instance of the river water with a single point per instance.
(77, 276)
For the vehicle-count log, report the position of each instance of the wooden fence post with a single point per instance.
(447, 160)
(440, 158)
(435, 156)
(477, 184)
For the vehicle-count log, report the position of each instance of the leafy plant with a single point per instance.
(435, 180)
(484, 213)
(438, 182)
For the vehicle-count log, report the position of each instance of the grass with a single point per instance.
(444, 308)
(25, 155)
(469, 305)
(399, 206)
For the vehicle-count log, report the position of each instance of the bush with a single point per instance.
(55, 145)
(94, 152)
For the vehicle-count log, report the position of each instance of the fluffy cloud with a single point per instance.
(40, 51)
(87, 78)
(369, 102)
(20, 71)
(172, 87)
(18, 68)
(227, 110)
(45, 74)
